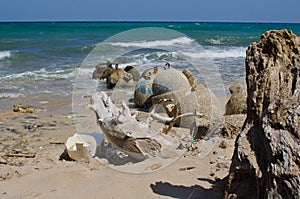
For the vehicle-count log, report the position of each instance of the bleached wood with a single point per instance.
(131, 136)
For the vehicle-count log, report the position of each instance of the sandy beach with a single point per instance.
(33, 163)
(33, 158)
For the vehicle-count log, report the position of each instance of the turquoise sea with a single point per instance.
(44, 57)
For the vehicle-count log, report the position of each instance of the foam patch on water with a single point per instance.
(218, 53)
(156, 43)
(229, 40)
(10, 95)
(41, 74)
(5, 54)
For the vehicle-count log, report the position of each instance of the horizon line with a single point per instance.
(138, 21)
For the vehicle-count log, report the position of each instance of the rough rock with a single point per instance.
(151, 73)
(119, 78)
(191, 78)
(143, 93)
(233, 124)
(133, 71)
(237, 102)
(102, 71)
(169, 80)
(143, 90)
(187, 101)
(222, 165)
(266, 159)
(125, 81)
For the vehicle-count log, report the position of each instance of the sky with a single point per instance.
(151, 10)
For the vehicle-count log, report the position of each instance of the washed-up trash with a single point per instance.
(81, 146)
(221, 157)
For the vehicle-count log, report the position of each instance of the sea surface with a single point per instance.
(45, 58)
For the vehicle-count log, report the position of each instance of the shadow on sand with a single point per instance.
(185, 192)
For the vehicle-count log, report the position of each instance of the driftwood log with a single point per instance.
(135, 138)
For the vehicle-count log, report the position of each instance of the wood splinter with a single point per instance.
(19, 155)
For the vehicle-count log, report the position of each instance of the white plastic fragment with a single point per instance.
(81, 146)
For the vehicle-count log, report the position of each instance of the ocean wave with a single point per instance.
(218, 53)
(163, 56)
(88, 48)
(215, 41)
(69, 50)
(143, 59)
(5, 54)
(160, 57)
(211, 52)
(229, 40)
(10, 95)
(41, 74)
(17, 56)
(223, 40)
(156, 43)
(174, 26)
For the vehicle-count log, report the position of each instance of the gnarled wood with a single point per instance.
(266, 159)
(131, 136)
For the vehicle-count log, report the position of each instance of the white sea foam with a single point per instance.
(215, 41)
(222, 41)
(41, 74)
(156, 43)
(123, 66)
(10, 95)
(85, 71)
(5, 54)
(217, 53)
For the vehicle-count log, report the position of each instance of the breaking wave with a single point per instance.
(156, 43)
(41, 74)
(219, 53)
(5, 54)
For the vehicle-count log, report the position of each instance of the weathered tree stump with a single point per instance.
(266, 159)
